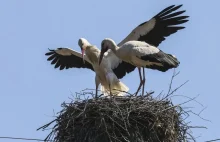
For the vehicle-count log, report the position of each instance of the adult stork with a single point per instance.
(140, 54)
(153, 31)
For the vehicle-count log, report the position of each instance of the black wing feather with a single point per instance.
(174, 14)
(165, 25)
(122, 69)
(54, 60)
(66, 62)
(166, 9)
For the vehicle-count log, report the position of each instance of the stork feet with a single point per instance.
(141, 84)
(96, 96)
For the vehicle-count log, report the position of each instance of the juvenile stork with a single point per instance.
(68, 58)
(140, 54)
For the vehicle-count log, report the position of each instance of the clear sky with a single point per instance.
(30, 88)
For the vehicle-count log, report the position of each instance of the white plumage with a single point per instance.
(140, 54)
(104, 73)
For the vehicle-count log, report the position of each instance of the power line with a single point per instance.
(213, 140)
(30, 139)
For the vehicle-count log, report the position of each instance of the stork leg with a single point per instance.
(143, 82)
(96, 91)
(139, 70)
(110, 90)
(97, 82)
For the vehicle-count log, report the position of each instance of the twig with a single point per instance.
(29, 139)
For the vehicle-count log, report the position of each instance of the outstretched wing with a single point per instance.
(160, 26)
(67, 58)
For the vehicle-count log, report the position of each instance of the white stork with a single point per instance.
(153, 32)
(157, 28)
(67, 58)
(140, 54)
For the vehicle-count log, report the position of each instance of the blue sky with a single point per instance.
(31, 88)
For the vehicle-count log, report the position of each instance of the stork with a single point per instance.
(140, 54)
(68, 58)
(153, 32)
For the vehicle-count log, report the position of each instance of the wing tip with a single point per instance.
(171, 6)
(56, 66)
(180, 5)
(50, 52)
(168, 10)
(181, 28)
(50, 49)
(49, 59)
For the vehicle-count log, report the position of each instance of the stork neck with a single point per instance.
(114, 48)
(92, 53)
(92, 49)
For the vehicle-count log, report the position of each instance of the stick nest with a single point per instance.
(119, 119)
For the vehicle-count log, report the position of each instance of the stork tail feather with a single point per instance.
(161, 61)
(173, 60)
(118, 89)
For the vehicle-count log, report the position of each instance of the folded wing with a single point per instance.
(119, 67)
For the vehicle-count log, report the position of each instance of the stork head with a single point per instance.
(83, 43)
(105, 45)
